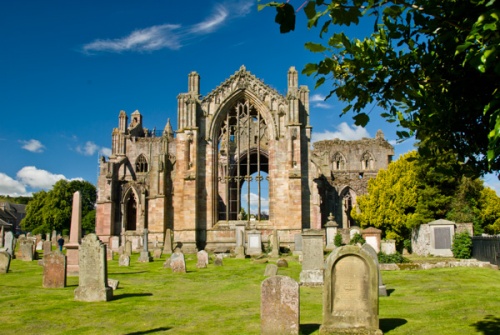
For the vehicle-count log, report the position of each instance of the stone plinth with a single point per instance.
(312, 258)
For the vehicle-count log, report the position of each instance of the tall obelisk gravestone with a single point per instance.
(75, 236)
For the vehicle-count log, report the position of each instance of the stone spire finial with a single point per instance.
(331, 221)
(168, 129)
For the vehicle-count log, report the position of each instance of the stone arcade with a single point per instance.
(242, 133)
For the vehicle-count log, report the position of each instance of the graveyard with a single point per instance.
(225, 298)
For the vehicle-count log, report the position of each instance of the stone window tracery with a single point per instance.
(338, 162)
(141, 164)
(367, 161)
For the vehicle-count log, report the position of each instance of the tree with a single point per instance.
(465, 204)
(391, 201)
(432, 66)
(490, 211)
(52, 210)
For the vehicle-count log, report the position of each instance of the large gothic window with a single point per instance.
(141, 164)
(243, 164)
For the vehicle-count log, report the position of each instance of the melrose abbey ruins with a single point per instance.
(241, 159)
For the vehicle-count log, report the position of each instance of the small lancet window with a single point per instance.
(338, 162)
(141, 164)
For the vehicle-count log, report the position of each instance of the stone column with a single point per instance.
(75, 236)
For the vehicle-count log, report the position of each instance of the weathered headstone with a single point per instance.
(114, 243)
(72, 247)
(47, 247)
(254, 243)
(177, 262)
(93, 275)
(9, 243)
(312, 258)
(167, 243)
(279, 307)
(128, 248)
(350, 293)
(26, 250)
(239, 250)
(4, 262)
(113, 283)
(382, 289)
(202, 257)
(1, 236)
(157, 252)
(54, 270)
(275, 245)
(297, 242)
(53, 238)
(219, 260)
(145, 257)
(282, 263)
(271, 270)
(135, 243)
(39, 246)
(124, 260)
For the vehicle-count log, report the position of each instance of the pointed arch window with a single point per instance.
(141, 164)
(338, 162)
(367, 161)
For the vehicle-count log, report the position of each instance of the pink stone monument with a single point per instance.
(75, 236)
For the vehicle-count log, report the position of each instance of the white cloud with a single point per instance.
(343, 132)
(170, 36)
(35, 178)
(33, 145)
(210, 24)
(317, 97)
(89, 149)
(322, 105)
(9, 186)
(148, 39)
(106, 152)
(254, 203)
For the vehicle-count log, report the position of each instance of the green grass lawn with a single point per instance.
(226, 300)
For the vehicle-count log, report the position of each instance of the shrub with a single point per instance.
(337, 241)
(407, 245)
(357, 238)
(462, 246)
(394, 258)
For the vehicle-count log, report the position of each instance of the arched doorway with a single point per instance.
(131, 212)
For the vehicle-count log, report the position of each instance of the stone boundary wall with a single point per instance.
(472, 263)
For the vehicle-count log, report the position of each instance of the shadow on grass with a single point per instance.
(126, 273)
(309, 328)
(389, 291)
(489, 326)
(387, 325)
(155, 330)
(131, 295)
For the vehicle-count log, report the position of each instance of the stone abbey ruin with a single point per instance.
(241, 157)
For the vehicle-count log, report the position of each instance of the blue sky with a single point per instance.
(67, 68)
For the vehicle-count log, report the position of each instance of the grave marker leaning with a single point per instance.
(4, 262)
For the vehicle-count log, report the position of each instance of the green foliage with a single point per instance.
(396, 258)
(88, 222)
(417, 64)
(15, 200)
(357, 238)
(490, 211)
(462, 246)
(337, 241)
(407, 245)
(52, 210)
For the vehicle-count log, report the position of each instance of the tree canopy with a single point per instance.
(432, 66)
(411, 192)
(51, 210)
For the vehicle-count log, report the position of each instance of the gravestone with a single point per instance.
(350, 293)
(53, 238)
(9, 243)
(157, 252)
(167, 243)
(115, 243)
(145, 257)
(124, 260)
(177, 262)
(312, 258)
(75, 237)
(271, 270)
(1, 236)
(279, 306)
(128, 248)
(202, 262)
(219, 260)
(382, 289)
(388, 247)
(54, 270)
(113, 283)
(39, 246)
(282, 263)
(109, 254)
(47, 247)
(135, 243)
(93, 275)
(26, 250)
(4, 262)
(297, 243)
(254, 243)
(239, 250)
(372, 237)
(275, 244)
